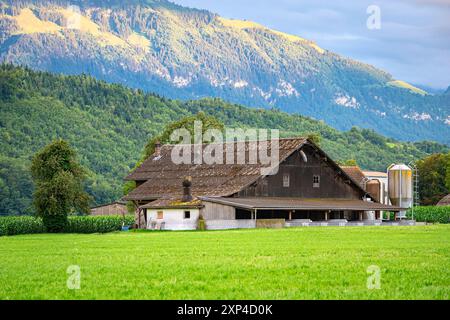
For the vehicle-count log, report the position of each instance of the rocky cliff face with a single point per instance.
(187, 53)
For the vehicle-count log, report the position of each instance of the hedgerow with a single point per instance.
(431, 214)
(20, 225)
(97, 224)
(76, 224)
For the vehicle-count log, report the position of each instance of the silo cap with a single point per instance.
(398, 167)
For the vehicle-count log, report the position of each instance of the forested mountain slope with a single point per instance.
(188, 53)
(110, 124)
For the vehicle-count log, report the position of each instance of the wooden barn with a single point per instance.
(308, 187)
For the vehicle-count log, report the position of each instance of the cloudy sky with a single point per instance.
(413, 42)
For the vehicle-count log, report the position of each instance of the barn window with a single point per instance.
(316, 181)
(160, 215)
(187, 214)
(286, 180)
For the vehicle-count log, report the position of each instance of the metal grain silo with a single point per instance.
(400, 186)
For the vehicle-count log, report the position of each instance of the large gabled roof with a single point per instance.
(163, 177)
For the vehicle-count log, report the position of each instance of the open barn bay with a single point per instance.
(297, 263)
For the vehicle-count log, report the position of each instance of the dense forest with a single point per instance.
(109, 125)
(184, 53)
(434, 178)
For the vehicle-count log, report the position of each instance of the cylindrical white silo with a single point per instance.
(400, 186)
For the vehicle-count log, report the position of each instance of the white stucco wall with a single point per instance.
(174, 219)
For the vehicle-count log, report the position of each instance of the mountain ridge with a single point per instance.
(187, 53)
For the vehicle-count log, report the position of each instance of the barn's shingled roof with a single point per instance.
(164, 177)
(356, 174)
(161, 177)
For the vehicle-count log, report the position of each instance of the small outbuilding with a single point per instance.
(110, 209)
(174, 213)
(444, 201)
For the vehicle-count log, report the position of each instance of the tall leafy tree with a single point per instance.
(434, 178)
(208, 122)
(315, 138)
(58, 179)
(350, 163)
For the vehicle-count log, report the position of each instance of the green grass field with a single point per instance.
(298, 263)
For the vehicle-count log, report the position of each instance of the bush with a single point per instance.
(20, 225)
(55, 223)
(431, 214)
(76, 224)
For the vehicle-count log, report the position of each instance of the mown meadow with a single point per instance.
(295, 263)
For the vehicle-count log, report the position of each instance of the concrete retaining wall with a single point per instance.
(229, 224)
